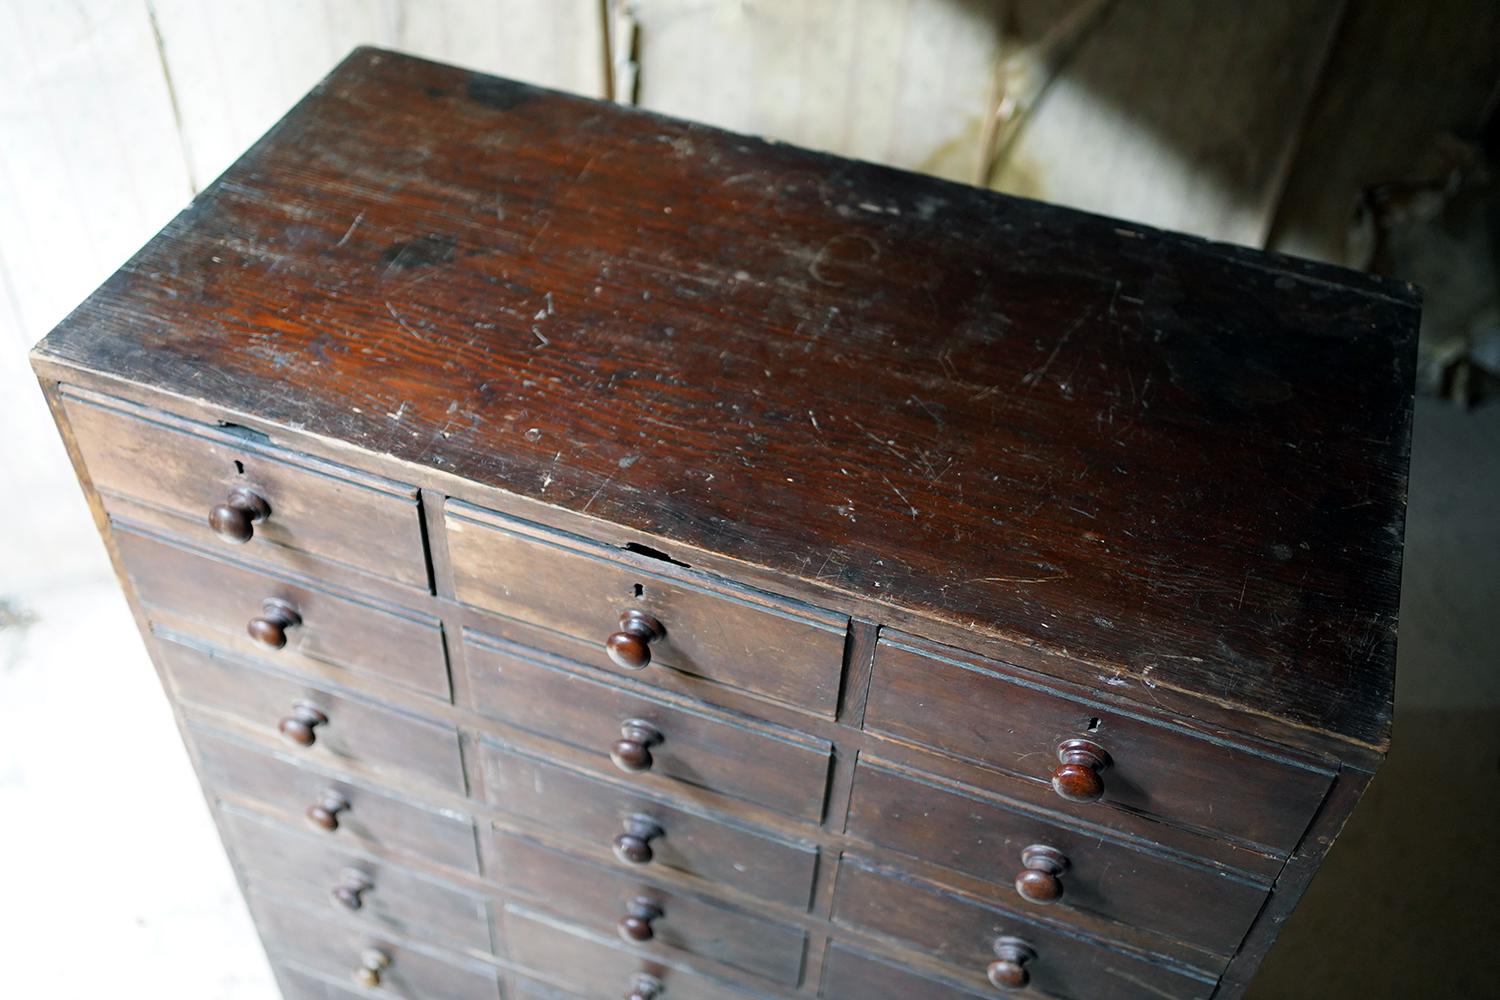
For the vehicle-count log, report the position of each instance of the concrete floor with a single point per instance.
(111, 876)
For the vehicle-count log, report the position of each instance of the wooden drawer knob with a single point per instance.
(635, 925)
(634, 845)
(1008, 970)
(1038, 881)
(631, 646)
(632, 751)
(298, 727)
(324, 813)
(275, 618)
(1077, 775)
(644, 987)
(372, 962)
(350, 892)
(234, 520)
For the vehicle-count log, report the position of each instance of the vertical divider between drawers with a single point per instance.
(859, 657)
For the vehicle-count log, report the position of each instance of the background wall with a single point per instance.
(1262, 123)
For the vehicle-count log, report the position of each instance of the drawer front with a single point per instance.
(345, 812)
(598, 814)
(983, 836)
(284, 864)
(964, 934)
(770, 646)
(592, 965)
(330, 948)
(747, 760)
(224, 598)
(852, 975)
(356, 731)
(608, 902)
(315, 507)
(994, 717)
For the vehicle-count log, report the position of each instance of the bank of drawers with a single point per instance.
(609, 812)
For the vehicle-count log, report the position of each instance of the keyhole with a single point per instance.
(239, 467)
(1093, 725)
(640, 591)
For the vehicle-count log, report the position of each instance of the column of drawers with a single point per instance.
(552, 767)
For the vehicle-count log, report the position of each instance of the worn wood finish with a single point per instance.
(318, 941)
(774, 647)
(585, 810)
(985, 836)
(190, 470)
(229, 602)
(742, 318)
(962, 932)
(375, 736)
(368, 818)
(602, 900)
(281, 863)
(997, 716)
(594, 966)
(836, 579)
(694, 745)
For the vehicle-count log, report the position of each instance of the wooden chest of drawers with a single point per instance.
(596, 555)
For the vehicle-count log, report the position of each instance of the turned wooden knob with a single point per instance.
(1038, 881)
(1077, 775)
(634, 845)
(324, 813)
(372, 962)
(632, 751)
(644, 987)
(353, 884)
(275, 618)
(631, 646)
(234, 520)
(298, 727)
(1008, 970)
(635, 925)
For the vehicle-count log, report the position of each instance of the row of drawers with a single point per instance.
(1108, 767)
(596, 898)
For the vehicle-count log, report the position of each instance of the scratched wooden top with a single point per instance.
(1180, 461)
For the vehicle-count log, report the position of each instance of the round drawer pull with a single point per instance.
(1008, 970)
(270, 628)
(298, 727)
(644, 987)
(632, 751)
(634, 845)
(635, 925)
(1038, 881)
(324, 813)
(1077, 775)
(631, 646)
(234, 520)
(372, 962)
(353, 884)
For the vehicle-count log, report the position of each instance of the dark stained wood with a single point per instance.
(997, 716)
(963, 934)
(691, 511)
(731, 635)
(289, 788)
(584, 810)
(985, 836)
(376, 736)
(319, 942)
(230, 602)
(307, 505)
(1166, 457)
(592, 965)
(606, 899)
(695, 745)
(285, 863)
(849, 974)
